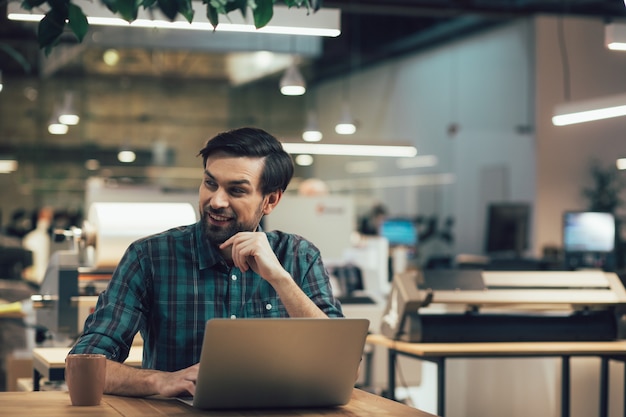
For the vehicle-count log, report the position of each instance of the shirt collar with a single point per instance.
(208, 255)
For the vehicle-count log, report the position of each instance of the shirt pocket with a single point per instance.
(266, 308)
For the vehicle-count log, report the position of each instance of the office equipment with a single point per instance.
(75, 276)
(56, 404)
(588, 239)
(507, 228)
(399, 231)
(489, 306)
(328, 221)
(439, 352)
(279, 363)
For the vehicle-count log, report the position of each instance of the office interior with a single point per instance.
(477, 106)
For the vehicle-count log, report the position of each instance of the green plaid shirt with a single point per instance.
(168, 285)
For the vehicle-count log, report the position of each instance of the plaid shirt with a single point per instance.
(168, 285)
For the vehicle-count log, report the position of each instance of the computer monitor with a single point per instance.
(587, 231)
(399, 232)
(508, 227)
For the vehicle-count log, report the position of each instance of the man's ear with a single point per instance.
(271, 200)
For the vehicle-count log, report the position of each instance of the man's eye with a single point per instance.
(238, 191)
(210, 183)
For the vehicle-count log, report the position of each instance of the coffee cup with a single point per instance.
(84, 375)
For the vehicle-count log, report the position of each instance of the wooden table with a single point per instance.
(57, 404)
(439, 352)
(49, 362)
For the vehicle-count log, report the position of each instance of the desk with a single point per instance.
(439, 352)
(49, 362)
(57, 404)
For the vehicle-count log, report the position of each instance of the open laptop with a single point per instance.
(279, 363)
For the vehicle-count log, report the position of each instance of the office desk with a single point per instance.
(49, 362)
(57, 404)
(439, 352)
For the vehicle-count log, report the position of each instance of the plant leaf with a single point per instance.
(127, 9)
(169, 8)
(237, 5)
(211, 14)
(77, 21)
(30, 4)
(16, 56)
(148, 3)
(50, 28)
(263, 13)
(186, 9)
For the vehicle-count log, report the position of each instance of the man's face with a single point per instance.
(230, 196)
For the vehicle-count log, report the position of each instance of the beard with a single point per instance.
(217, 235)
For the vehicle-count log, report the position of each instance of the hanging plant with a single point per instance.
(604, 196)
(65, 13)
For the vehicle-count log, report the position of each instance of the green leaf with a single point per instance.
(12, 52)
(169, 8)
(31, 4)
(77, 21)
(211, 14)
(50, 28)
(263, 13)
(127, 9)
(186, 9)
(148, 3)
(241, 5)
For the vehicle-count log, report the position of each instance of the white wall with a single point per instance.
(484, 85)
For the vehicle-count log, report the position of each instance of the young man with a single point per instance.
(168, 285)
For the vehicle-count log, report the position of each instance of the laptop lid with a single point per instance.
(279, 363)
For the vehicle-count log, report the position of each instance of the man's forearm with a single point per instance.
(125, 380)
(297, 303)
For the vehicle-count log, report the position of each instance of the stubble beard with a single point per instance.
(216, 235)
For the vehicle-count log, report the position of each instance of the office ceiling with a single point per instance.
(372, 30)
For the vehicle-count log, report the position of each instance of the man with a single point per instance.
(167, 285)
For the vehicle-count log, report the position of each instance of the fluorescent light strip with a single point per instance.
(621, 164)
(324, 22)
(398, 151)
(590, 110)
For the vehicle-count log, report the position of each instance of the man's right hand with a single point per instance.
(125, 380)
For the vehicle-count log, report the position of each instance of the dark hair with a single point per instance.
(254, 142)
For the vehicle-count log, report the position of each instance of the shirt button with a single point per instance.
(233, 277)
(268, 306)
(233, 316)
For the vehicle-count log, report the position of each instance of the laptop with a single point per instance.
(279, 363)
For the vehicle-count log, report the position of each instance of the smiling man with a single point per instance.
(168, 285)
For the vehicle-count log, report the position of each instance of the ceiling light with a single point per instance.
(304, 160)
(126, 156)
(1, 80)
(111, 57)
(350, 150)
(8, 165)
(292, 82)
(286, 21)
(312, 132)
(589, 110)
(69, 115)
(421, 161)
(55, 127)
(621, 164)
(346, 124)
(615, 36)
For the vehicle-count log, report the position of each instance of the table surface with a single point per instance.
(616, 347)
(57, 404)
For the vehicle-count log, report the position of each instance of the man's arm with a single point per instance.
(251, 250)
(126, 380)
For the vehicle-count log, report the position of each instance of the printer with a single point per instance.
(465, 305)
(77, 275)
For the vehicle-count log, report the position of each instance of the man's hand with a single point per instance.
(251, 250)
(125, 380)
(171, 384)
